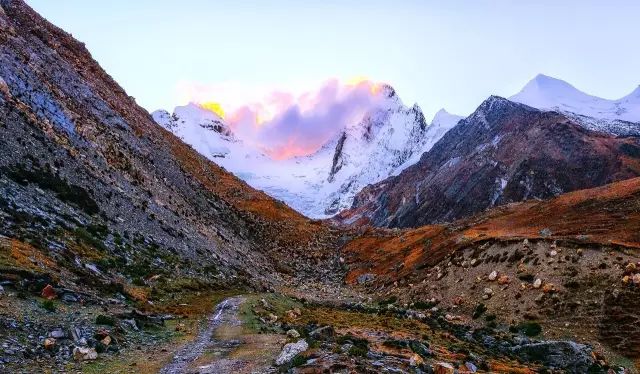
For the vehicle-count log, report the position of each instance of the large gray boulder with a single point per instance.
(291, 350)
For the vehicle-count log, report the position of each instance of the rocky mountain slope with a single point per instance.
(387, 140)
(504, 152)
(91, 181)
(568, 265)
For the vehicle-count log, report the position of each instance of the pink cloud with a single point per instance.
(285, 124)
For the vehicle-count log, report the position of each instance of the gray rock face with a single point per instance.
(291, 350)
(563, 355)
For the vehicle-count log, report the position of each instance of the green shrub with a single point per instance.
(101, 319)
(298, 360)
(358, 351)
(527, 328)
(49, 305)
(479, 310)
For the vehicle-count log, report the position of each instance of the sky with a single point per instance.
(440, 54)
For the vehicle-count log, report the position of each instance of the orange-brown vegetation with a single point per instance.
(608, 215)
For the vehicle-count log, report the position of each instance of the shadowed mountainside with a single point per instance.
(88, 178)
(504, 152)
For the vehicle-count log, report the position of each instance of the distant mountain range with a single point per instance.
(504, 152)
(389, 139)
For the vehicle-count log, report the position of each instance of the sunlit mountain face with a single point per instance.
(285, 124)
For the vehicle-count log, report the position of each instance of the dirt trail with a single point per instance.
(226, 347)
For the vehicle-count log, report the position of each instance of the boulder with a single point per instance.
(559, 355)
(322, 333)
(84, 354)
(291, 350)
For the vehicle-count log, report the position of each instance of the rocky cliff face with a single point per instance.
(90, 180)
(504, 152)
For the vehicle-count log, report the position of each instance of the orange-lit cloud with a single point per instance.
(286, 123)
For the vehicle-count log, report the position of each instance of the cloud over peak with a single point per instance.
(289, 123)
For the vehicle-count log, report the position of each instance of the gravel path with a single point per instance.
(225, 312)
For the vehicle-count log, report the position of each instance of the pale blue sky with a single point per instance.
(450, 54)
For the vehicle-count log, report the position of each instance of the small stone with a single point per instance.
(416, 360)
(443, 368)
(272, 318)
(493, 275)
(537, 283)
(548, 288)
(503, 279)
(57, 334)
(579, 251)
(106, 340)
(553, 253)
(49, 343)
(626, 279)
(630, 268)
(488, 292)
(265, 304)
(471, 367)
(636, 279)
(293, 334)
(69, 298)
(48, 292)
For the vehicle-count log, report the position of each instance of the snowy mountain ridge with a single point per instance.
(619, 117)
(388, 139)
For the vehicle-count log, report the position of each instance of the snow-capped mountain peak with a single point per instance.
(544, 92)
(386, 140)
